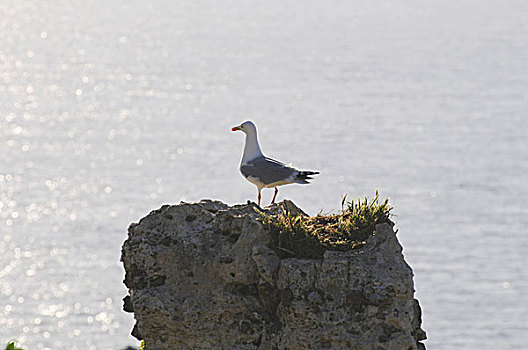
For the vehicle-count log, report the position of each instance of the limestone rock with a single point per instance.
(205, 276)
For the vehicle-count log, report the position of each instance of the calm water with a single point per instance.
(109, 109)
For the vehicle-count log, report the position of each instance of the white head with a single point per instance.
(251, 148)
(246, 127)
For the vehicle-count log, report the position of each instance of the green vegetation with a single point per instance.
(310, 236)
(11, 346)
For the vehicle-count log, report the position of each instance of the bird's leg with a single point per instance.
(274, 195)
(259, 197)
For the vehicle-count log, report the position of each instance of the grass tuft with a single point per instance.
(310, 236)
(12, 346)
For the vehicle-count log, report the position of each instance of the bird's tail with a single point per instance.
(302, 176)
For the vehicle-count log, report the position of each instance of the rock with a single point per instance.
(267, 262)
(205, 276)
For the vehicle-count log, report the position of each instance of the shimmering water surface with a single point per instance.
(109, 109)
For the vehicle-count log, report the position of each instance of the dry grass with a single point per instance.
(310, 236)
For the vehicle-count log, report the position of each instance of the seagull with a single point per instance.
(265, 172)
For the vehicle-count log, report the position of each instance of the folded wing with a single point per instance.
(268, 171)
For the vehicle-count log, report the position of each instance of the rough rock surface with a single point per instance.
(204, 276)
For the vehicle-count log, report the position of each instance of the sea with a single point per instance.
(110, 109)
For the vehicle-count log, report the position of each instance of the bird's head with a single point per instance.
(246, 127)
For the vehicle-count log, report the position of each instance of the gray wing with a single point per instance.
(267, 170)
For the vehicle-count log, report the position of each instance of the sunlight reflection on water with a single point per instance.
(105, 117)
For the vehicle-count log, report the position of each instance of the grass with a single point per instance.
(12, 346)
(310, 236)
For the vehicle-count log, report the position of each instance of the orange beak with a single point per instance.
(235, 128)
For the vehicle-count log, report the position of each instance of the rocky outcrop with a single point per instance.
(205, 276)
